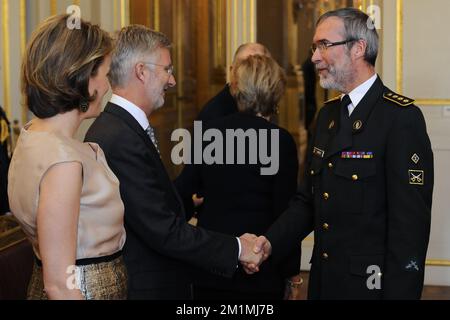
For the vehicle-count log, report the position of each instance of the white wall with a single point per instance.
(426, 70)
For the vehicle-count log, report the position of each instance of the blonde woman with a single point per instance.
(61, 190)
(237, 197)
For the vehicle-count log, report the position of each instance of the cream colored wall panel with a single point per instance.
(16, 59)
(389, 43)
(86, 9)
(43, 8)
(62, 5)
(426, 49)
(106, 15)
(440, 237)
(10, 58)
(437, 276)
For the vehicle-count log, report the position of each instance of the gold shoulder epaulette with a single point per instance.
(398, 99)
(333, 99)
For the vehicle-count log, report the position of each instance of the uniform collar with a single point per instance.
(357, 94)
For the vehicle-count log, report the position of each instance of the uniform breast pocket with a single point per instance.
(353, 177)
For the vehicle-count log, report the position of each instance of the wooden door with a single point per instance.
(196, 29)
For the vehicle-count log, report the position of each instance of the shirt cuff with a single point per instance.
(240, 248)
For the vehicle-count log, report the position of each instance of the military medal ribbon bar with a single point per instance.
(357, 155)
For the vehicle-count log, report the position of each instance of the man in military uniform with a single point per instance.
(368, 193)
(4, 161)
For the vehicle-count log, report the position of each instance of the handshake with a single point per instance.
(254, 251)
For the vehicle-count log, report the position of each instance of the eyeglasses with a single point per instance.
(169, 69)
(324, 45)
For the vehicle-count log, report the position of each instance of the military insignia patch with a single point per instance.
(412, 266)
(357, 125)
(398, 99)
(318, 152)
(415, 158)
(331, 125)
(416, 177)
(333, 99)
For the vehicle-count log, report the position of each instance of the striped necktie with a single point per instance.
(151, 134)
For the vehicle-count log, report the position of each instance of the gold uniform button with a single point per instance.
(326, 196)
(326, 226)
(330, 165)
(355, 177)
(325, 255)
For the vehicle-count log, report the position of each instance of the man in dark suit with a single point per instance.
(223, 104)
(4, 161)
(369, 189)
(159, 240)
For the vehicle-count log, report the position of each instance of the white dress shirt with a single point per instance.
(132, 109)
(359, 92)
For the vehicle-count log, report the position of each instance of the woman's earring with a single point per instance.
(84, 105)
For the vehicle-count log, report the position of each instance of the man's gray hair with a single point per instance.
(133, 43)
(358, 26)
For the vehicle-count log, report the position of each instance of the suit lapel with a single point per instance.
(339, 136)
(132, 123)
(136, 127)
(360, 115)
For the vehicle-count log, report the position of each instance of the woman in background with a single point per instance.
(238, 199)
(61, 190)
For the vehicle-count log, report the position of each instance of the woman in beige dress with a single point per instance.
(61, 190)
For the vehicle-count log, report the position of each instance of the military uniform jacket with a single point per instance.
(368, 199)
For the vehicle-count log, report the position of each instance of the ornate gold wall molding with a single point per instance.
(53, 7)
(6, 58)
(438, 263)
(120, 13)
(123, 11)
(23, 44)
(156, 15)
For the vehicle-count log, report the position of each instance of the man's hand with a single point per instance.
(248, 256)
(260, 247)
(262, 244)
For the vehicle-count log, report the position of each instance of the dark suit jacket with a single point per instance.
(159, 240)
(221, 105)
(238, 200)
(372, 211)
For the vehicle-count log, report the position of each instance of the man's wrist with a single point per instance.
(240, 247)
